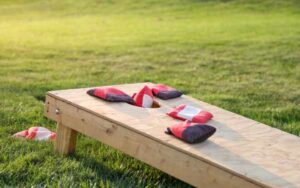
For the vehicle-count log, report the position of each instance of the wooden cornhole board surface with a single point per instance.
(242, 153)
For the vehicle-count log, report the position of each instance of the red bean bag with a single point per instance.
(144, 98)
(191, 132)
(110, 94)
(36, 133)
(195, 115)
(165, 92)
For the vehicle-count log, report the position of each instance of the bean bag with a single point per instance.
(191, 132)
(144, 98)
(165, 92)
(36, 133)
(110, 94)
(193, 114)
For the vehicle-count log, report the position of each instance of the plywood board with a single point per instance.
(242, 153)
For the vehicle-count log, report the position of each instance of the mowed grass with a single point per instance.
(240, 55)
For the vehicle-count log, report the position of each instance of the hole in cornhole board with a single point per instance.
(154, 105)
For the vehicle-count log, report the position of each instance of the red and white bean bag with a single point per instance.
(144, 98)
(36, 133)
(193, 114)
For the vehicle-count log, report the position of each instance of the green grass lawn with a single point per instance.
(241, 55)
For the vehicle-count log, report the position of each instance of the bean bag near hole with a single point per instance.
(36, 133)
(144, 98)
(193, 114)
(110, 94)
(191, 132)
(165, 92)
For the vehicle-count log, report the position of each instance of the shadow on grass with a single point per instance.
(41, 98)
(126, 178)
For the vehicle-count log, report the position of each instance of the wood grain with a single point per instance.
(65, 139)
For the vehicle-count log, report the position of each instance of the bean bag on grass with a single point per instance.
(36, 133)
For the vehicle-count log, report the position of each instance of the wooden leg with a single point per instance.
(65, 139)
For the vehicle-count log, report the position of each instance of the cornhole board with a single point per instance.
(242, 153)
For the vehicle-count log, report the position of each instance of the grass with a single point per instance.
(240, 55)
